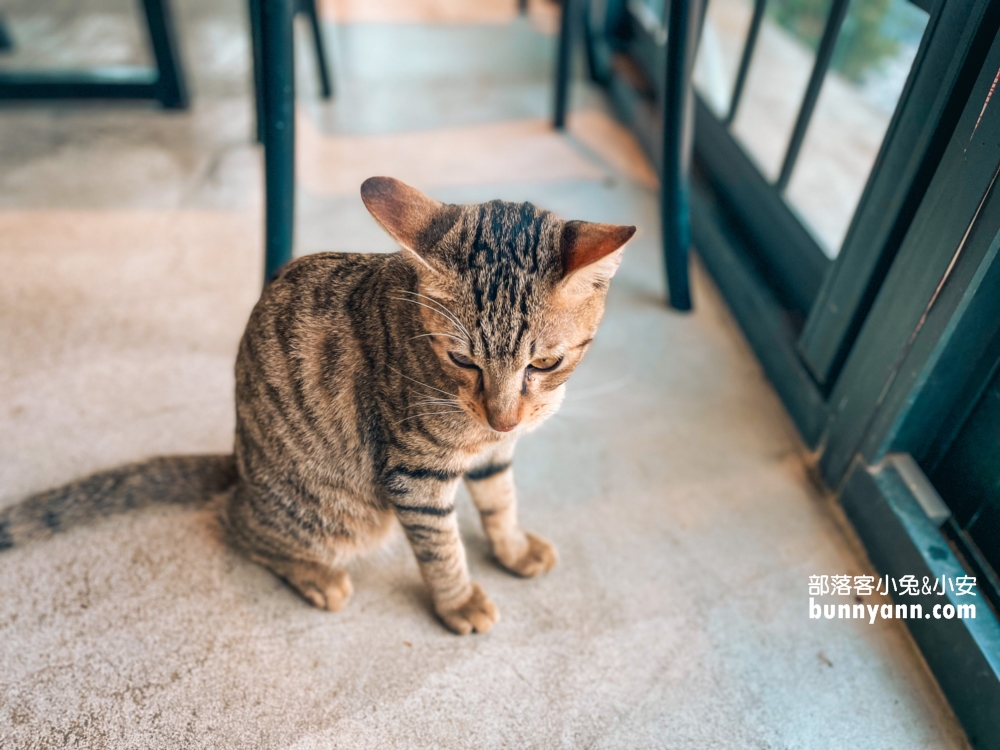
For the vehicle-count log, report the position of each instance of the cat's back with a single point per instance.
(304, 331)
(302, 366)
(323, 284)
(322, 291)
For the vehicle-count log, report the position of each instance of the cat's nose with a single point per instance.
(502, 426)
(502, 402)
(503, 422)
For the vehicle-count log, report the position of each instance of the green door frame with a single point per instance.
(917, 361)
(919, 311)
(875, 353)
(918, 355)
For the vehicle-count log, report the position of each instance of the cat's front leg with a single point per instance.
(491, 484)
(425, 507)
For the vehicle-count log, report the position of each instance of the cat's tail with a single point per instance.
(179, 480)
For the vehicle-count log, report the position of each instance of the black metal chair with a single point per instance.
(271, 23)
(308, 7)
(677, 110)
(163, 83)
(272, 28)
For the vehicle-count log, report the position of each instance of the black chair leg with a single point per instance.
(278, 75)
(678, 140)
(6, 40)
(309, 8)
(170, 89)
(326, 85)
(593, 67)
(564, 60)
(255, 12)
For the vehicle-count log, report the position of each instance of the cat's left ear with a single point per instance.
(591, 254)
(415, 221)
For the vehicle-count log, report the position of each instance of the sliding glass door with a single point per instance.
(847, 204)
(819, 123)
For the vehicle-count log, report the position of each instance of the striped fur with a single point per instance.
(168, 480)
(369, 386)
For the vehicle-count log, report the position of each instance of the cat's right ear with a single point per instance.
(591, 254)
(415, 221)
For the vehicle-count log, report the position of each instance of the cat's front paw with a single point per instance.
(477, 613)
(539, 557)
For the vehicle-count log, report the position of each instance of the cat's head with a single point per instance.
(510, 295)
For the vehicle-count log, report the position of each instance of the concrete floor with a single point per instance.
(673, 482)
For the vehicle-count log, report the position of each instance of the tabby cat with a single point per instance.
(367, 386)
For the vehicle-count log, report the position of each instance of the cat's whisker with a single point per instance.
(451, 315)
(446, 393)
(436, 401)
(421, 304)
(448, 335)
(430, 414)
(447, 310)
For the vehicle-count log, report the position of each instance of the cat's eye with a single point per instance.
(543, 364)
(462, 360)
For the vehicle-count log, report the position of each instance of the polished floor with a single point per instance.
(673, 482)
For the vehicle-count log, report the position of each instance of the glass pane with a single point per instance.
(871, 61)
(727, 23)
(777, 79)
(651, 15)
(655, 9)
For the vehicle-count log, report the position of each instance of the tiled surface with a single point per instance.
(672, 482)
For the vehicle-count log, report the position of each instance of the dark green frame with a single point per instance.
(911, 373)
(946, 66)
(827, 300)
(964, 655)
(879, 355)
(918, 356)
(938, 279)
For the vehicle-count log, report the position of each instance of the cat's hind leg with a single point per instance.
(323, 586)
(293, 554)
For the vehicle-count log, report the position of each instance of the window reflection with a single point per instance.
(777, 79)
(871, 62)
(727, 23)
